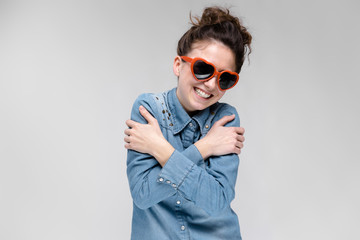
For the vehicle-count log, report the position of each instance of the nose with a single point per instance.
(211, 83)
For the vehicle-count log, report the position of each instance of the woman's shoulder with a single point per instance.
(150, 97)
(144, 97)
(220, 110)
(151, 101)
(223, 108)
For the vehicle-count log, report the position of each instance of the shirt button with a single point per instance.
(168, 182)
(182, 228)
(206, 126)
(178, 202)
(161, 179)
(174, 185)
(190, 124)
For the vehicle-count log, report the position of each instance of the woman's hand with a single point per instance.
(147, 138)
(221, 140)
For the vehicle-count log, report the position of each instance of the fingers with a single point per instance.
(127, 131)
(240, 130)
(225, 120)
(127, 144)
(239, 145)
(149, 118)
(240, 138)
(130, 123)
(127, 139)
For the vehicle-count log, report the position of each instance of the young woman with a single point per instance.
(183, 144)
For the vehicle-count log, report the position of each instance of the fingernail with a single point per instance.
(141, 107)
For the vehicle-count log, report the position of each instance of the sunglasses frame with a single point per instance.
(218, 74)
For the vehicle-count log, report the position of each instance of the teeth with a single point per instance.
(201, 93)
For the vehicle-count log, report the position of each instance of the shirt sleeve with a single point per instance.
(143, 169)
(212, 188)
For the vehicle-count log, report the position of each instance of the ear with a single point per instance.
(177, 66)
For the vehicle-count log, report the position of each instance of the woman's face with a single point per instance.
(195, 95)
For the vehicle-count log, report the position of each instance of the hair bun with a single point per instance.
(213, 15)
(218, 24)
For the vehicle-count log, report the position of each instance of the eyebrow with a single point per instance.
(220, 70)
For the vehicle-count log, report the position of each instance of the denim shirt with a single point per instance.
(188, 198)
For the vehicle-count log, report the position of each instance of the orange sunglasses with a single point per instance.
(203, 70)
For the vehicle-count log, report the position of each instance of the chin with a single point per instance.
(200, 107)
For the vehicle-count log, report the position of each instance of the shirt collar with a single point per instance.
(180, 117)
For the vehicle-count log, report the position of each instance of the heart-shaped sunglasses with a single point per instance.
(203, 70)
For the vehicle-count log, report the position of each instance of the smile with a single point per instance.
(201, 93)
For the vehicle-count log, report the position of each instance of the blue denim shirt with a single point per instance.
(188, 198)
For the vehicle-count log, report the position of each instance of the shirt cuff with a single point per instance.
(175, 170)
(192, 153)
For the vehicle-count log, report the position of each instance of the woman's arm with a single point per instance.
(148, 138)
(211, 189)
(221, 140)
(143, 169)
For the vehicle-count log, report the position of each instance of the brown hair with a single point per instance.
(216, 23)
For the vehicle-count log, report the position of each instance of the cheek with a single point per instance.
(186, 80)
(221, 93)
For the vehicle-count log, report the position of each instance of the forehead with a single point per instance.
(215, 52)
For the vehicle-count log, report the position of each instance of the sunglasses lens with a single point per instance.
(202, 70)
(227, 80)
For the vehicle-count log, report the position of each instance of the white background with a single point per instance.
(70, 71)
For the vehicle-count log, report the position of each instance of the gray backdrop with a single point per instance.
(70, 71)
